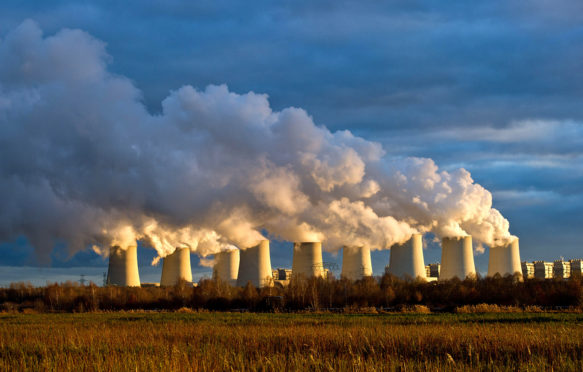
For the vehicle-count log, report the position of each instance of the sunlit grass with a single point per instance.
(243, 341)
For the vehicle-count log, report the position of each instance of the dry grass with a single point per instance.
(317, 342)
(415, 309)
(487, 308)
(493, 308)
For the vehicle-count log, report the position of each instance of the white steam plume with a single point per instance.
(83, 161)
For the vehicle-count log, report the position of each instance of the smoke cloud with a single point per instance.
(84, 162)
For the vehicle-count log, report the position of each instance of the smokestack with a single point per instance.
(176, 267)
(255, 266)
(356, 262)
(407, 259)
(307, 260)
(457, 258)
(123, 267)
(227, 266)
(504, 259)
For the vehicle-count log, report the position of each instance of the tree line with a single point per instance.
(386, 292)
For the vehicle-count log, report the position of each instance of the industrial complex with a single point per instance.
(239, 267)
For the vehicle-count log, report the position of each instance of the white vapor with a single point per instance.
(83, 161)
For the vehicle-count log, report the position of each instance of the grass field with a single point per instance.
(319, 342)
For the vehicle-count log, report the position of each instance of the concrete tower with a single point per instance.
(123, 267)
(176, 267)
(407, 259)
(255, 266)
(227, 266)
(457, 258)
(307, 260)
(504, 259)
(356, 262)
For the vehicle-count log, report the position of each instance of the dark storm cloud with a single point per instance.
(355, 64)
(495, 87)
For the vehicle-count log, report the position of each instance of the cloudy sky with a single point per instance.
(495, 88)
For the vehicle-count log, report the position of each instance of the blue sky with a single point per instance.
(494, 87)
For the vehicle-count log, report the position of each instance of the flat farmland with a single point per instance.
(146, 341)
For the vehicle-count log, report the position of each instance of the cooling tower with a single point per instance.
(504, 259)
(227, 266)
(356, 262)
(123, 267)
(307, 260)
(255, 266)
(407, 259)
(457, 258)
(176, 267)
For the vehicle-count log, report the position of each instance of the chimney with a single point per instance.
(227, 266)
(457, 258)
(356, 262)
(255, 266)
(176, 267)
(504, 259)
(407, 259)
(123, 267)
(307, 260)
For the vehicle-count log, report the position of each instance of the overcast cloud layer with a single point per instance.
(493, 88)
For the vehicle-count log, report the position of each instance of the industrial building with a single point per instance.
(149, 285)
(238, 267)
(561, 269)
(226, 266)
(176, 267)
(281, 274)
(281, 277)
(527, 270)
(307, 260)
(576, 268)
(406, 259)
(543, 270)
(457, 258)
(123, 267)
(356, 262)
(504, 259)
(432, 270)
(255, 266)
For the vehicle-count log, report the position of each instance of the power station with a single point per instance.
(356, 262)
(176, 267)
(123, 267)
(457, 258)
(238, 267)
(255, 266)
(504, 259)
(307, 260)
(226, 266)
(406, 259)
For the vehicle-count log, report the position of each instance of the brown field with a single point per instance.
(186, 340)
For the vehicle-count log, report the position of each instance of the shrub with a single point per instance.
(497, 294)
(415, 309)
